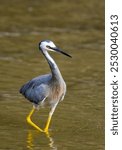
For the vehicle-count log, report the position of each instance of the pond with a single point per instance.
(78, 28)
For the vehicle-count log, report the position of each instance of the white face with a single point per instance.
(44, 45)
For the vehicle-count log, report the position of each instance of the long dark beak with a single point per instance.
(60, 51)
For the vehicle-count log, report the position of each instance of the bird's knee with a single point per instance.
(28, 119)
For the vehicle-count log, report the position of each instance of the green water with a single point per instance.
(78, 28)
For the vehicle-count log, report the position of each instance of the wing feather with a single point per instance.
(36, 89)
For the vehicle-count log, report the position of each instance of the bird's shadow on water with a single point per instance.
(33, 135)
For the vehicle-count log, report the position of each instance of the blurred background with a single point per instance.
(76, 26)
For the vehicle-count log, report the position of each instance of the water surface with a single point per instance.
(78, 28)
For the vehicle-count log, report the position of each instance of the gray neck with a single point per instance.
(53, 66)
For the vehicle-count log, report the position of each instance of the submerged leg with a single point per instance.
(30, 122)
(49, 118)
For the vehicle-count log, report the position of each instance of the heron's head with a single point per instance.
(47, 45)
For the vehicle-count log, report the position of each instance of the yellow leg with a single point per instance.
(30, 122)
(49, 118)
(47, 124)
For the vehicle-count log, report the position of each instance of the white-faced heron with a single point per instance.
(46, 89)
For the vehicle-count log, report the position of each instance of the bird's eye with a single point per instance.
(48, 46)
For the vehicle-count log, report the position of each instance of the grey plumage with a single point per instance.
(35, 90)
(50, 86)
(44, 87)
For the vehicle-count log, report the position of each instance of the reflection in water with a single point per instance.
(51, 142)
(30, 141)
